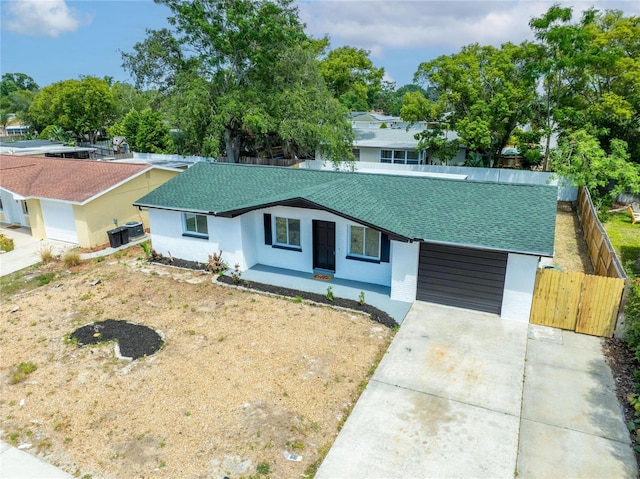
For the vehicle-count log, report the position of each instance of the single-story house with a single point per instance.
(54, 149)
(396, 146)
(464, 243)
(76, 201)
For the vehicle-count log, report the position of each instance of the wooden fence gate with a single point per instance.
(576, 301)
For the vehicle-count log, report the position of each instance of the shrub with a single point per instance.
(6, 243)
(216, 265)
(632, 318)
(71, 258)
(46, 254)
(45, 278)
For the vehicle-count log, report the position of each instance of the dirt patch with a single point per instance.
(570, 247)
(241, 378)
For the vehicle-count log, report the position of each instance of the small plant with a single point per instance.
(45, 278)
(361, 298)
(297, 299)
(6, 243)
(71, 258)
(146, 247)
(22, 371)
(236, 273)
(46, 254)
(263, 468)
(329, 294)
(216, 265)
(295, 445)
(634, 424)
(85, 297)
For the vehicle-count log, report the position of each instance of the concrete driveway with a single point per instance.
(26, 249)
(469, 395)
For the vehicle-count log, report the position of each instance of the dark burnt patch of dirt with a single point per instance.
(623, 364)
(375, 314)
(134, 340)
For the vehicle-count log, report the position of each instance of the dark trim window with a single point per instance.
(25, 208)
(364, 242)
(195, 225)
(287, 232)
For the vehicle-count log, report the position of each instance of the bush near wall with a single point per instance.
(6, 243)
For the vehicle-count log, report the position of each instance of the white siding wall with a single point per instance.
(404, 273)
(377, 273)
(224, 234)
(518, 286)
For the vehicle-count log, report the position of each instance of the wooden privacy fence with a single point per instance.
(603, 257)
(576, 301)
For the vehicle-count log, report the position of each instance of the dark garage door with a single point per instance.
(462, 277)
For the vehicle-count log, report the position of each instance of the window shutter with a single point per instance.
(268, 239)
(385, 247)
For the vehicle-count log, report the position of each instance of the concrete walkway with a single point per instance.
(27, 248)
(466, 394)
(17, 464)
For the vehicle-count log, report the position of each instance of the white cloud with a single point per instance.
(377, 25)
(42, 17)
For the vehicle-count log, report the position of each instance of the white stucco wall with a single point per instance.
(12, 208)
(241, 240)
(167, 230)
(518, 286)
(377, 273)
(404, 270)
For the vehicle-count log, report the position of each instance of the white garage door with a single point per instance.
(58, 221)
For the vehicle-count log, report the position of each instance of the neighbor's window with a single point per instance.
(288, 232)
(364, 242)
(25, 208)
(386, 156)
(195, 225)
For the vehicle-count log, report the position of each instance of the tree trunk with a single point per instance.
(232, 143)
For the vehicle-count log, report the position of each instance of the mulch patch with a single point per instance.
(134, 340)
(375, 313)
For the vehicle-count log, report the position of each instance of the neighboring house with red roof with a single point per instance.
(75, 201)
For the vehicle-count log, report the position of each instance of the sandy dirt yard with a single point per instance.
(570, 247)
(241, 378)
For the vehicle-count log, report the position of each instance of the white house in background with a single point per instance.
(396, 146)
(469, 244)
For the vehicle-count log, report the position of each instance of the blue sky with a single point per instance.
(54, 40)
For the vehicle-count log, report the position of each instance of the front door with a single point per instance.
(324, 245)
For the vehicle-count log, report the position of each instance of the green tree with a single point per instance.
(351, 77)
(83, 107)
(591, 71)
(230, 58)
(482, 93)
(581, 158)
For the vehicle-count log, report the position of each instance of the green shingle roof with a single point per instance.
(500, 216)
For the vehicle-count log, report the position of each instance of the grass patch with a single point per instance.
(21, 372)
(624, 238)
(45, 278)
(22, 281)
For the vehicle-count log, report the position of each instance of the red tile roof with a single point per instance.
(63, 179)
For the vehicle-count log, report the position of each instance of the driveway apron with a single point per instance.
(450, 399)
